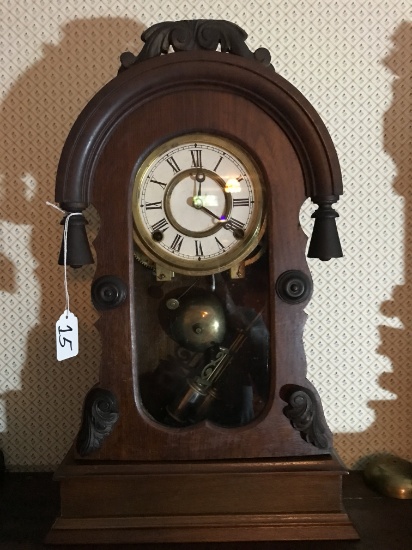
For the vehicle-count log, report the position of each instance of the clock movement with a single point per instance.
(203, 426)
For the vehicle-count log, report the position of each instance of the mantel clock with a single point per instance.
(203, 426)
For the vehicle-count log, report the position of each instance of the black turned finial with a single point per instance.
(78, 248)
(325, 243)
(197, 34)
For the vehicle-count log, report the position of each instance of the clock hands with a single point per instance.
(197, 201)
(198, 204)
(230, 224)
(199, 177)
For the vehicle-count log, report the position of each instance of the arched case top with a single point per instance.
(170, 73)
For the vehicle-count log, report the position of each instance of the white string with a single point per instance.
(65, 233)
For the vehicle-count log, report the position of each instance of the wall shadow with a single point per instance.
(392, 417)
(43, 400)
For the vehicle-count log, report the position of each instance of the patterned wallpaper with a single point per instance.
(353, 61)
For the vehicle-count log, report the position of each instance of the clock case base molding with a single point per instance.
(213, 501)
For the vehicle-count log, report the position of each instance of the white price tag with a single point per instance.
(67, 336)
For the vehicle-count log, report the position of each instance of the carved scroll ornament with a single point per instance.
(306, 416)
(189, 35)
(100, 414)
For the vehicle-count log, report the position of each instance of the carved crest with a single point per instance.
(198, 34)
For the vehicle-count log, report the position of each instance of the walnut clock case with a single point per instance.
(203, 426)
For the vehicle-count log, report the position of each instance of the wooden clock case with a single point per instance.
(128, 478)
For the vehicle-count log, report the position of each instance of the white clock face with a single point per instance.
(197, 204)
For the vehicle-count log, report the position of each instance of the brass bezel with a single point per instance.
(236, 254)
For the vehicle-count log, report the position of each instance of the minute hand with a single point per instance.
(198, 204)
(204, 209)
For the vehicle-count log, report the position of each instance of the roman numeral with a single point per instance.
(199, 249)
(196, 158)
(153, 205)
(175, 167)
(177, 243)
(241, 202)
(161, 225)
(162, 185)
(219, 244)
(240, 178)
(217, 165)
(233, 224)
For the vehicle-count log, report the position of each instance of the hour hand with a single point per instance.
(197, 203)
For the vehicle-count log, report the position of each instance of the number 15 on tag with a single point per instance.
(67, 336)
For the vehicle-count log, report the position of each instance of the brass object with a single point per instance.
(203, 251)
(172, 303)
(199, 321)
(201, 391)
(390, 475)
(163, 274)
(238, 271)
(143, 259)
(194, 403)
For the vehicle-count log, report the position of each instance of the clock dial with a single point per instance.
(198, 204)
